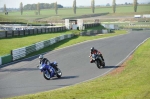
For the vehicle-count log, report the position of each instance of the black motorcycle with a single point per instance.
(98, 61)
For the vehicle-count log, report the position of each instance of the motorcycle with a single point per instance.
(98, 61)
(49, 72)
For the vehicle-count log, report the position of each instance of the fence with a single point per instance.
(12, 33)
(88, 25)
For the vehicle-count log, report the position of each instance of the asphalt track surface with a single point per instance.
(22, 78)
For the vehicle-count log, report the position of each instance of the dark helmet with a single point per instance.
(92, 49)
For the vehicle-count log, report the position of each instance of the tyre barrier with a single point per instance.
(24, 51)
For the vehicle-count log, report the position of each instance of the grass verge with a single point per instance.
(132, 83)
(7, 44)
(49, 14)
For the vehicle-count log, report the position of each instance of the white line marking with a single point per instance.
(108, 70)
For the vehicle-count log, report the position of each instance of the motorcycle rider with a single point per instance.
(95, 51)
(46, 61)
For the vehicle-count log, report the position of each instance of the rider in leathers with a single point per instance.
(95, 51)
(46, 61)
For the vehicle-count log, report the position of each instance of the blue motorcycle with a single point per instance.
(49, 71)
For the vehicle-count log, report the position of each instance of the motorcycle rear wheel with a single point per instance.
(59, 73)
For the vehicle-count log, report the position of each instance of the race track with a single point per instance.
(23, 77)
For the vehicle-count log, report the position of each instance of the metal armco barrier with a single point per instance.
(24, 51)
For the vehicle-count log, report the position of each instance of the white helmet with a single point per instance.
(92, 49)
(41, 57)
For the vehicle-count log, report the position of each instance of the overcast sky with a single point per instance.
(16, 3)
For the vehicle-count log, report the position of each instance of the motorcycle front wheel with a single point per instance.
(47, 75)
(97, 62)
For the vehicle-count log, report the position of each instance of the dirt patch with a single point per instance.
(121, 67)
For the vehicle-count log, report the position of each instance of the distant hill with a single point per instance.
(42, 6)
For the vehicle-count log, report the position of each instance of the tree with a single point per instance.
(74, 6)
(107, 4)
(93, 5)
(135, 5)
(126, 3)
(21, 8)
(114, 6)
(56, 8)
(5, 10)
(38, 8)
(42, 6)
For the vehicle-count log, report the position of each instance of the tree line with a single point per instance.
(42, 6)
(37, 7)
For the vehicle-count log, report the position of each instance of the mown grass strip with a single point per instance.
(7, 44)
(49, 14)
(132, 83)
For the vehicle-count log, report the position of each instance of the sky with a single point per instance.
(65, 3)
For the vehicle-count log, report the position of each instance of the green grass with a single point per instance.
(7, 44)
(132, 83)
(126, 25)
(49, 14)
